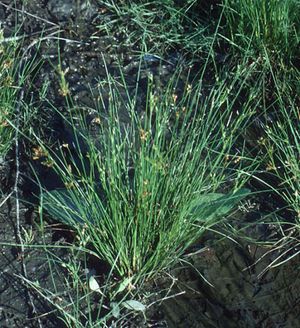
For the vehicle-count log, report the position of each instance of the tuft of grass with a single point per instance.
(281, 143)
(283, 146)
(157, 26)
(8, 93)
(15, 70)
(150, 183)
(256, 26)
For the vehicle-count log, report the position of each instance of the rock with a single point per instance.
(4, 171)
(62, 10)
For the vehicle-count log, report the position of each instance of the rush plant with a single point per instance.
(256, 26)
(15, 69)
(142, 185)
(8, 93)
(283, 146)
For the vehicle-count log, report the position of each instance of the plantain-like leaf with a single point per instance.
(66, 206)
(115, 309)
(134, 305)
(209, 207)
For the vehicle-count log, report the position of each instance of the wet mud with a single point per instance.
(225, 286)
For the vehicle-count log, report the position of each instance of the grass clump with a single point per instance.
(8, 94)
(283, 144)
(157, 26)
(256, 26)
(282, 163)
(151, 183)
(16, 66)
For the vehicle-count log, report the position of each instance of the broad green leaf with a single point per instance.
(207, 208)
(115, 309)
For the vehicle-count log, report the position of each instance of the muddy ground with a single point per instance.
(240, 296)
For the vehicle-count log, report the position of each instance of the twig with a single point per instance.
(13, 38)
(6, 198)
(16, 187)
(166, 298)
(16, 191)
(21, 37)
(28, 14)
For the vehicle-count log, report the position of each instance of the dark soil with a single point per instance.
(239, 297)
(16, 310)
